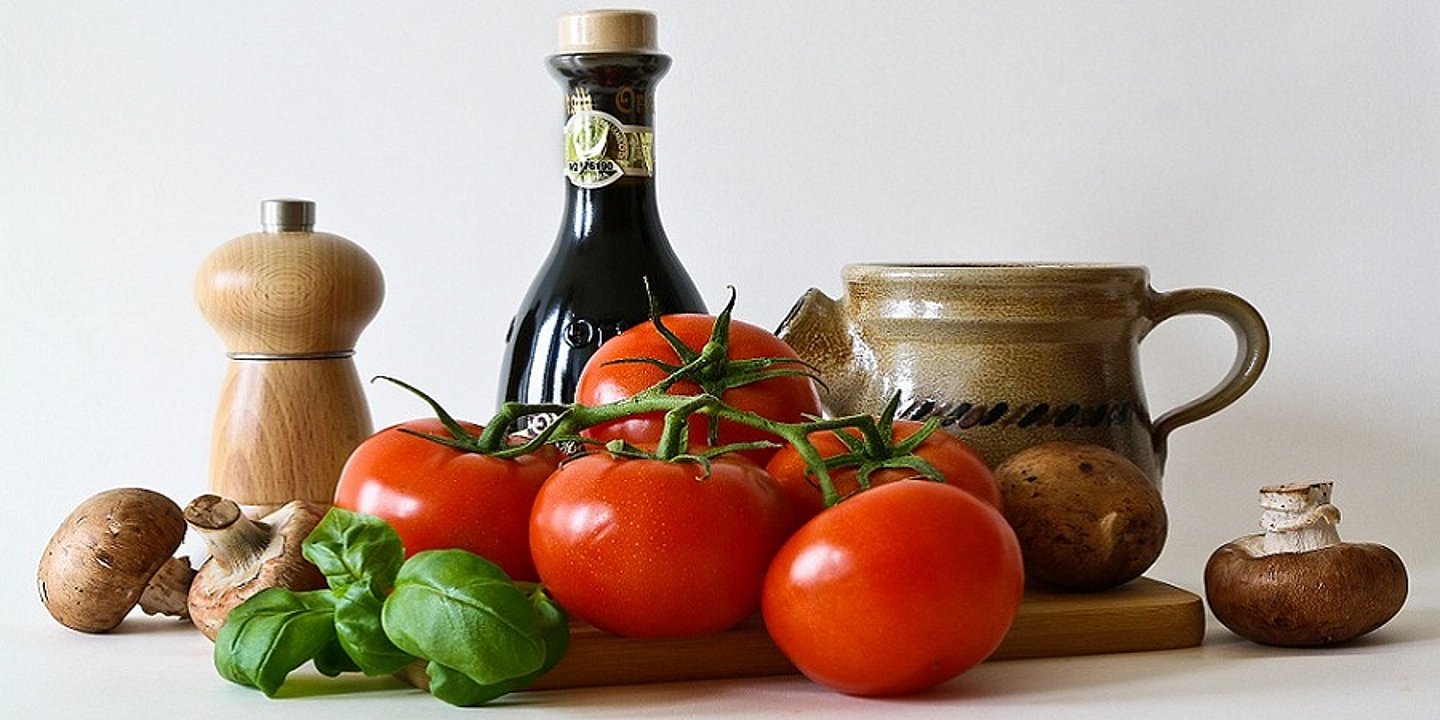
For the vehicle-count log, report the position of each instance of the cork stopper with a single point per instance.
(608, 31)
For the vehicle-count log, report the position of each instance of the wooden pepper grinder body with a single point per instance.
(289, 304)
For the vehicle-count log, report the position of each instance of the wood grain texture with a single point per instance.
(284, 429)
(1141, 615)
(286, 424)
(289, 292)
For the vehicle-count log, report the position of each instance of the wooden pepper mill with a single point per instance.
(289, 303)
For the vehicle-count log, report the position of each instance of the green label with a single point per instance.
(599, 149)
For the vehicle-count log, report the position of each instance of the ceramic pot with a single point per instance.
(1013, 355)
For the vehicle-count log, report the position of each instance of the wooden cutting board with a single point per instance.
(1144, 614)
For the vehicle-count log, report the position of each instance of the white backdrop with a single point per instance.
(1289, 152)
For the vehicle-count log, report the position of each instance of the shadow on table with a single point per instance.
(139, 624)
(307, 685)
(1420, 625)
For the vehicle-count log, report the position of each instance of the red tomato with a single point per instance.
(895, 590)
(649, 548)
(784, 399)
(439, 497)
(960, 465)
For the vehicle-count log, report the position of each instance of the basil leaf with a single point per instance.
(554, 629)
(457, 688)
(357, 623)
(271, 634)
(332, 660)
(355, 548)
(360, 556)
(461, 611)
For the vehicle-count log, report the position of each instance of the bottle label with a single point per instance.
(599, 149)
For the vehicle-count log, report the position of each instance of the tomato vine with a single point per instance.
(710, 368)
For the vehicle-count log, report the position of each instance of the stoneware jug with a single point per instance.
(1013, 355)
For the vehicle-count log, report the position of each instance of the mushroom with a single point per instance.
(247, 556)
(114, 551)
(1297, 584)
(1087, 517)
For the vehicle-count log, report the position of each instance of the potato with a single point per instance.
(1087, 518)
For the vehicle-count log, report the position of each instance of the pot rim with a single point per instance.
(936, 269)
(1016, 274)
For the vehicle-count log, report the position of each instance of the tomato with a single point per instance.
(895, 590)
(960, 465)
(439, 497)
(650, 548)
(783, 399)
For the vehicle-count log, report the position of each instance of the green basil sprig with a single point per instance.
(482, 635)
(360, 556)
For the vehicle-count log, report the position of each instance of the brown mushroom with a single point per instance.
(1087, 518)
(1297, 584)
(247, 556)
(114, 551)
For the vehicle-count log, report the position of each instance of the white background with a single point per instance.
(1289, 152)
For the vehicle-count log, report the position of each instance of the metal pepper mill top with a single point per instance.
(289, 304)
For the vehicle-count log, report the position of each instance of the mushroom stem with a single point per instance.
(1298, 517)
(1296, 584)
(166, 592)
(248, 556)
(233, 538)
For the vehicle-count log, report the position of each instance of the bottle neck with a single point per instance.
(609, 145)
(625, 210)
(621, 85)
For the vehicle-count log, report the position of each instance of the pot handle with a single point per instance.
(1252, 340)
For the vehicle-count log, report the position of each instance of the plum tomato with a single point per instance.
(961, 466)
(654, 548)
(783, 399)
(438, 497)
(895, 590)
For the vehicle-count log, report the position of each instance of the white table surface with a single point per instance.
(162, 669)
(1284, 151)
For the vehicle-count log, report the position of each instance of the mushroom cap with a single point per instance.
(101, 557)
(1294, 599)
(218, 588)
(1087, 517)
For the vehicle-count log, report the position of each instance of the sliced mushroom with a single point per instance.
(1297, 584)
(247, 556)
(114, 551)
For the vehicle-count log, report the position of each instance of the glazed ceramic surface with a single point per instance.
(1013, 355)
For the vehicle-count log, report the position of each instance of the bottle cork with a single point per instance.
(608, 31)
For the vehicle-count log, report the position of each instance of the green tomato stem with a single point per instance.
(711, 369)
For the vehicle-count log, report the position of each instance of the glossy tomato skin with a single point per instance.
(895, 590)
(953, 457)
(784, 399)
(438, 497)
(648, 548)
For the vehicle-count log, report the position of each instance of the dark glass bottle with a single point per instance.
(592, 285)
